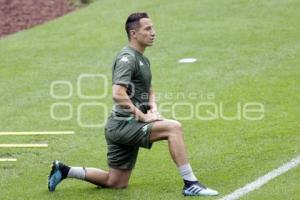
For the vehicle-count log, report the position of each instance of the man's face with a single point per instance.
(145, 34)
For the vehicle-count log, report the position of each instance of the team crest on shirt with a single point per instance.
(124, 59)
(141, 63)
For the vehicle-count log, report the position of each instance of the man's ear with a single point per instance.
(132, 33)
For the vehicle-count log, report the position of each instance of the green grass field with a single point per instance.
(246, 51)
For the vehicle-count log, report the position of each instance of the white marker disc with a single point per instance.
(187, 60)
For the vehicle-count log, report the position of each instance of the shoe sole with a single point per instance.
(184, 194)
(203, 195)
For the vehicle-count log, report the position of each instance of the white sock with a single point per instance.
(77, 172)
(187, 173)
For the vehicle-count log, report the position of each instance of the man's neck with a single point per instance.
(137, 47)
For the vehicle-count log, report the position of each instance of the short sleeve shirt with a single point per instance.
(131, 69)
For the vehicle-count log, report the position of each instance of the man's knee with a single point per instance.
(121, 186)
(117, 184)
(175, 126)
(117, 180)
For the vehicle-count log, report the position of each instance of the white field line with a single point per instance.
(23, 145)
(8, 159)
(262, 180)
(38, 133)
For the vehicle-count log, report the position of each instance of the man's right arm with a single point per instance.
(122, 99)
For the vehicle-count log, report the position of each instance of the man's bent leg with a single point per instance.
(114, 178)
(171, 130)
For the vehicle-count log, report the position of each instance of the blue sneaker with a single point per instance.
(197, 189)
(55, 176)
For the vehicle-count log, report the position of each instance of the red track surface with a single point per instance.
(16, 15)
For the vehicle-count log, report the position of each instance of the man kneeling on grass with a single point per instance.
(135, 121)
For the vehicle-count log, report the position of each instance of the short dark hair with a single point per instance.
(133, 21)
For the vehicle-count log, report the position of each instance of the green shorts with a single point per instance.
(124, 136)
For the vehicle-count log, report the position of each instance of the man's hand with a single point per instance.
(151, 116)
(153, 108)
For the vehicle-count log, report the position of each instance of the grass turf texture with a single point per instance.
(246, 51)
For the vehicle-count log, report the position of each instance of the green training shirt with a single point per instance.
(132, 70)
